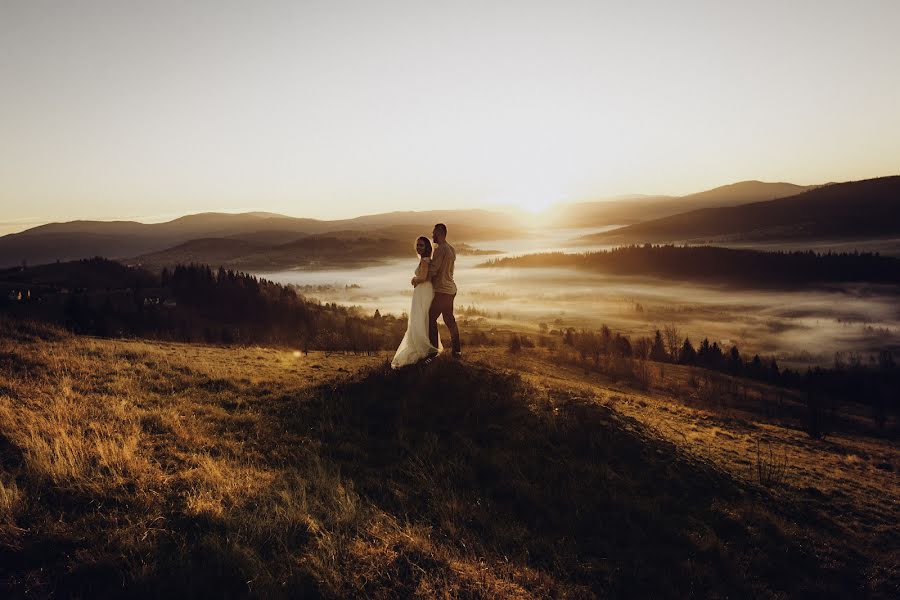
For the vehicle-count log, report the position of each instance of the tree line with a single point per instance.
(723, 265)
(872, 381)
(191, 303)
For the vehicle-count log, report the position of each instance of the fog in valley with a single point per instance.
(798, 327)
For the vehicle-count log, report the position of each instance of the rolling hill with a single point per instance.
(859, 209)
(118, 239)
(636, 209)
(345, 249)
(127, 239)
(131, 468)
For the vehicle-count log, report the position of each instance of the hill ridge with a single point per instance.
(861, 208)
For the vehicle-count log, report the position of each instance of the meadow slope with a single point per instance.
(159, 469)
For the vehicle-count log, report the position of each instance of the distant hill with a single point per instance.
(119, 239)
(636, 209)
(858, 209)
(747, 191)
(710, 264)
(613, 211)
(126, 239)
(213, 251)
(345, 249)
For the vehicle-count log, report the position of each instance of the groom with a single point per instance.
(441, 274)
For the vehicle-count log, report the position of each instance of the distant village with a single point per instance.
(121, 299)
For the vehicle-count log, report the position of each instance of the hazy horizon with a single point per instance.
(328, 111)
(9, 226)
(17, 226)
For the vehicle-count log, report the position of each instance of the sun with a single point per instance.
(534, 204)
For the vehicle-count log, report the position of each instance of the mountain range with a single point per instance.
(196, 235)
(854, 210)
(625, 210)
(744, 212)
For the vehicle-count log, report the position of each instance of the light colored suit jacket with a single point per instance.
(441, 269)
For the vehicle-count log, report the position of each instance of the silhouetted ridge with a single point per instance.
(133, 240)
(634, 209)
(861, 209)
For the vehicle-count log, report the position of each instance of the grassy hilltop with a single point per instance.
(165, 469)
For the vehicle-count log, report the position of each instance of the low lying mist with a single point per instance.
(802, 327)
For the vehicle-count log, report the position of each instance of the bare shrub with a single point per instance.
(714, 389)
(642, 374)
(673, 340)
(768, 470)
(693, 381)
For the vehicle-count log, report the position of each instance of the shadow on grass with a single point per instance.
(454, 479)
(562, 486)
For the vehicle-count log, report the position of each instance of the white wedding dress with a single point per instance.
(416, 345)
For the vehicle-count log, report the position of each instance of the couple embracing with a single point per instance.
(433, 296)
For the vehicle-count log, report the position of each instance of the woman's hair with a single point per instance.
(426, 251)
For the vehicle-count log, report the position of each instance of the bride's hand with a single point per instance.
(414, 282)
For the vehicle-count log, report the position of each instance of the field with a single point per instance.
(161, 469)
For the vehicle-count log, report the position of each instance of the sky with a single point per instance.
(151, 110)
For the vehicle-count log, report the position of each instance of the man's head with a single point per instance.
(439, 234)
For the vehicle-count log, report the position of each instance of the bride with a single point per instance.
(415, 345)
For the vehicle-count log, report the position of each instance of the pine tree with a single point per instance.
(734, 360)
(716, 358)
(687, 356)
(703, 353)
(658, 350)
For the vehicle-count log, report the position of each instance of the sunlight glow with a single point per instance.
(335, 111)
(536, 204)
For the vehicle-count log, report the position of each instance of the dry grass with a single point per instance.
(155, 469)
(768, 469)
(130, 449)
(841, 494)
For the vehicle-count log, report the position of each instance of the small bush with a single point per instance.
(768, 470)
(642, 374)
